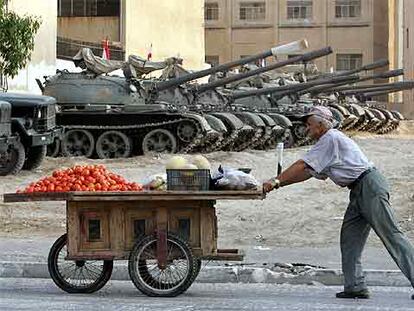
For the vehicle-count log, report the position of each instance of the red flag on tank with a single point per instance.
(105, 49)
(149, 55)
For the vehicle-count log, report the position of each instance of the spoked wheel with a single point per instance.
(113, 144)
(187, 131)
(159, 141)
(78, 143)
(152, 280)
(299, 130)
(77, 276)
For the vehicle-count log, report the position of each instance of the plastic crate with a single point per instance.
(188, 180)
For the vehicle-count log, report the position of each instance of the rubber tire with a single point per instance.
(34, 157)
(53, 149)
(56, 277)
(145, 290)
(18, 164)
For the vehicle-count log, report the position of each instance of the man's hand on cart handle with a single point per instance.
(272, 183)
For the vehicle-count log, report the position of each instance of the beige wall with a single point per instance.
(172, 27)
(89, 29)
(43, 60)
(408, 56)
(344, 35)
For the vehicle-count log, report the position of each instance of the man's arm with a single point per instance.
(295, 173)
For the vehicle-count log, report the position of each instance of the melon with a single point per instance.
(176, 163)
(201, 162)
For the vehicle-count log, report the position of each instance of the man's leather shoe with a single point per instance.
(412, 296)
(362, 294)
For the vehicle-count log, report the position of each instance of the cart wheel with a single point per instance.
(197, 268)
(175, 279)
(77, 276)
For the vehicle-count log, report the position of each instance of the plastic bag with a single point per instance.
(156, 182)
(233, 179)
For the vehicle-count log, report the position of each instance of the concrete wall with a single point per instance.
(89, 29)
(43, 60)
(172, 27)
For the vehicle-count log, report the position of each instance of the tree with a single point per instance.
(17, 35)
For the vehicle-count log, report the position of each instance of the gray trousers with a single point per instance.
(369, 207)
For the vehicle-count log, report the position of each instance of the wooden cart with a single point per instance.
(163, 234)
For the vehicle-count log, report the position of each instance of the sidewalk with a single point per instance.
(305, 265)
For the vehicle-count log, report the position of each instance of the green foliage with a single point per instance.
(16, 40)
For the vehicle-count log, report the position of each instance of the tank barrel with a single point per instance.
(382, 75)
(385, 92)
(285, 48)
(289, 89)
(383, 87)
(300, 58)
(372, 86)
(377, 64)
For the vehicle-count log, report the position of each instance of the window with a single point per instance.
(348, 61)
(347, 8)
(213, 60)
(211, 11)
(299, 9)
(252, 11)
(88, 8)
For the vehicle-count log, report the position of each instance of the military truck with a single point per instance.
(27, 126)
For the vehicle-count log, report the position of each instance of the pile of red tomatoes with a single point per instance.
(82, 178)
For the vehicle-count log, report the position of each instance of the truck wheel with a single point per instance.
(34, 157)
(11, 161)
(77, 276)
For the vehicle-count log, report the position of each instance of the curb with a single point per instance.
(232, 274)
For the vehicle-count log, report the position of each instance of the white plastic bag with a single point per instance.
(233, 179)
(156, 182)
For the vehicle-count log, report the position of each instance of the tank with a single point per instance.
(109, 117)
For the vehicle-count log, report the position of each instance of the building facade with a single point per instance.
(355, 29)
(163, 28)
(43, 59)
(401, 50)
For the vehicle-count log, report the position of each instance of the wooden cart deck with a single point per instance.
(135, 196)
(106, 224)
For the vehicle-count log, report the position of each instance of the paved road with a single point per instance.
(42, 294)
(37, 249)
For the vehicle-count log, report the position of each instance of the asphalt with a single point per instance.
(27, 258)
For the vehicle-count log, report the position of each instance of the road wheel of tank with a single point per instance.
(159, 141)
(12, 160)
(288, 140)
(187, 131)
(169, 281)
(34, 157)
(53, 149)
(78, 143)
(113, 144)
(77, 276)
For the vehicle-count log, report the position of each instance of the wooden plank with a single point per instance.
(134, 196)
